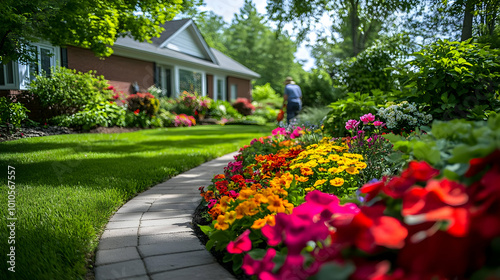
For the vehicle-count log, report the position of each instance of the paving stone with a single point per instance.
(161, 207)
(116, 255)
(135, 208)
(172, 243)
(117, 242)
(176, 261)
(210, 271)
(160, 238)
(176, 198)
(181, 227)
(162, 222)
(165, 214)
(143, 277)
(118, 238)
(120, 270)
(123, 224)
(125, 217)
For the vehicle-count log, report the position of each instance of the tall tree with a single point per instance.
(356, 21)
(253, 43)
(94, 24)
(212, 28)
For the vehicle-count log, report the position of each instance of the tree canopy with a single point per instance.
(93, 24)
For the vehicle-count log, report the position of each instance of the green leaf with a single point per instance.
(427, 152)
(335, 271)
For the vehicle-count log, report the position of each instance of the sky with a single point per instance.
(227, 9)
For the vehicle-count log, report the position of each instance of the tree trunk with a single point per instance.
(353, 14)
(467, 25)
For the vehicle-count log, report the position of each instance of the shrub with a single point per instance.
(223, 109)
(67, 91)
(265, 111)
(403, 117)
(12, 113)
(456, 80)
(265, 93)
(143, 102)
(104, 114)
(351, 107)
(243, 106)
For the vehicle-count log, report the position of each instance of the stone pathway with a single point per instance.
(151, 236)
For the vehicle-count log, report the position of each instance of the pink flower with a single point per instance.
(257, 267)
(351, 124)
(241, 244)
(367, 118)
(212, 202)
(378, 123)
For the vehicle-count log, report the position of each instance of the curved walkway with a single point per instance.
(151, 236)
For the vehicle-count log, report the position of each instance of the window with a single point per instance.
(234, 92)
(190, 81)
(7, 75)
(220, 90)
(163, 80)
(46, 59)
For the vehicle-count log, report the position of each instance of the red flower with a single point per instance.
(370, 228)
(438, 201)
(137, 111)
(479, 164)
(373, 189)
(241, 244)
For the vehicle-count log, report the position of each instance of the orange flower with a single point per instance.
(337, 182)
(275, 204)
(301, 179)
(306, 171)
(219, 176)
(245, 194)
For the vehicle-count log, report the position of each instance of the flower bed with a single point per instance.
(299, 205)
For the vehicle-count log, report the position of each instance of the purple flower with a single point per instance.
(351, 124)
(367, 118)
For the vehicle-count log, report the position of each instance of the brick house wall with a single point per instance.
(121, 72)
(244, 87)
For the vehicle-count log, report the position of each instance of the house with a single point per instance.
(179, 60)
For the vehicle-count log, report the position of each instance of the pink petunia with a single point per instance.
(351, 124)
(241, 244)
(378, 123)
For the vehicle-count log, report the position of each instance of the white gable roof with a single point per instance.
(188, 40)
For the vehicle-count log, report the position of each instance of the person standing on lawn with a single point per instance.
(292, 99)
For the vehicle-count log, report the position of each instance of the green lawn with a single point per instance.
(68, 186)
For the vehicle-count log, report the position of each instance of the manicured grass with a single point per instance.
(68, 186)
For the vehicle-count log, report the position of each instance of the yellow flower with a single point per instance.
(352, 170)
(230, 217)
(221, 224)
(270, 220)
(323, 160)
(334, 157)
(333, 170)
(337, 182)
(321, 169)
(224, 203)
(361, 165)
(319, 182)
(276, 204)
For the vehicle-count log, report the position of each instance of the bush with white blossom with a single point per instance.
(403, 116)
